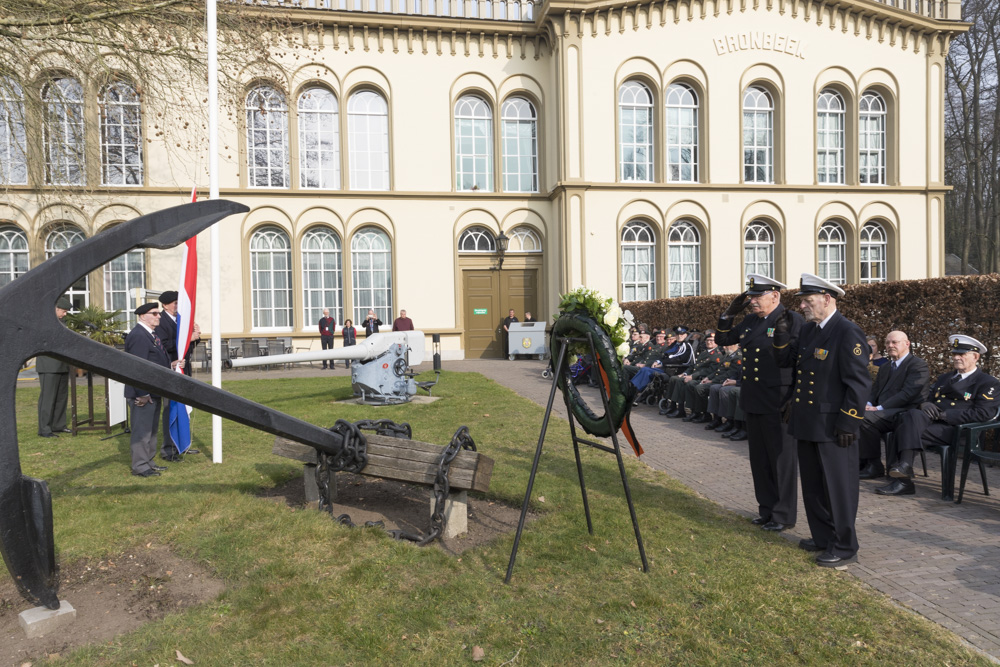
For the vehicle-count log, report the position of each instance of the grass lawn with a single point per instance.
(301, 590)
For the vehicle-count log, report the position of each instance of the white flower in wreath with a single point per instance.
(622, 350)
(611, 317)
(629, 318)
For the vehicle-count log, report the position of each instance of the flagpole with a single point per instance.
(213, 193)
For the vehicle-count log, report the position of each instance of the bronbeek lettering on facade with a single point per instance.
(760, 41)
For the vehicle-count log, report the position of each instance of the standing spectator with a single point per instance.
(350, 338)
(166, 332)
(528, 317)
(402, 323)
(327, 326)
(372, 323)
(507, 321)
(53, 377)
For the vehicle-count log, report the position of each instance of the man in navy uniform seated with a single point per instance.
(964, 395)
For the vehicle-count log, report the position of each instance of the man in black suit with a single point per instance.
(372, 323)
(961, 396)
(901, 384)
(166, 331)
(832, 384)
(142, 342)
(53, 378)
(766, 387)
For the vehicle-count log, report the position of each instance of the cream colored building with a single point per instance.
(647, 149)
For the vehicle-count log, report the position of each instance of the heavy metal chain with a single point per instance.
(386, 427)
(352, 457)
(461, 440)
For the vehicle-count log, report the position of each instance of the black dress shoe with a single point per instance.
(160, 468)
(65, 430)
(827, 559)
(193, 451)
(146, 473)
(738, 435)
(872, 471)
(677, 414)
(714, 424)
(776, 527)
(694, 416)
(810, 545)
(173, 458)
(760, 521)
(725, 427)
(897, 487)
(902, 470)
(702, 418)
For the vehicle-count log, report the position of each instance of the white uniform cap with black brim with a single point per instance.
(812, 284)
(758, 284)
(961, 344)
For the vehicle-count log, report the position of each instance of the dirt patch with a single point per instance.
(402, 506)
(111, 597)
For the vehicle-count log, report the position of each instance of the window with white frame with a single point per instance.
(368, 141)
(267, 138)
(14, 260)
(271, 279)
(830, 114)
(524, 239)
(519, 134)
(121, 135)
(477, 239)
(832, 253)
(871, 139)
(62, 237)
(473, 144)
(13, 138)
(873, 253)
(319, 140)
(758, 249)
(682, 134)
(322, 276)
(683, 259)
(635, 132)
(638, 262)
(371, 269)
(121, 275)
(758, 136)
(62, 132)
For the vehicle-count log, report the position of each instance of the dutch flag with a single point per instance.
(180, 414)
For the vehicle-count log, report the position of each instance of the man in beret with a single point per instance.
(830, 357)
(166, 331)
(53, 378)
(961, 396)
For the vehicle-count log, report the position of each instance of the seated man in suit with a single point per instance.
(900, 385)
(964, 395)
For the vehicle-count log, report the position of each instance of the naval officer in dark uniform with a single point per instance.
(766, 388)
(961, 396)
(830, 358)
(53, 378)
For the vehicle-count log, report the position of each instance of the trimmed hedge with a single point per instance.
(928, 311)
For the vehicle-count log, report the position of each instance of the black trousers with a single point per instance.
(916, 429)
(52, 402)
(773, 456)
(830, 494)
(326, 343)
(874, 426)
(168, 448)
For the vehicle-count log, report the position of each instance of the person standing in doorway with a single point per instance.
(507, 321)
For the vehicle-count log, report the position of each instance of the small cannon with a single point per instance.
(380, 365)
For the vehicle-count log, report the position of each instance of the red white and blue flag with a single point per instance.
(180, 414)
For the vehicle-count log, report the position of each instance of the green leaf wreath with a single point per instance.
(605, 311)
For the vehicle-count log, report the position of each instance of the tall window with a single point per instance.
(684, 259)
(13, 253)
(873, 253)
(319, 140)
(267, 138)
(477, 239)
(271, 279)
(62, 132)
(121, 275)
(635, 131)
(758, 249)
(61, 238)
(871, 139)
(758, 136)
(524, 239)
(638, 262)
(519, 129)
(13, 139)
(121, 135)
(368, 141)
(473, 144)
(682, 134)
(832, 253)
(322, 276)
(371, 262)
(830, 137)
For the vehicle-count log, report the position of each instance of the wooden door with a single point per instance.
(483, 315)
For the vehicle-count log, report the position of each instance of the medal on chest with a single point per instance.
(770, 332)
(820, 353)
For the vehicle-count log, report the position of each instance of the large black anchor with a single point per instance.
(28, 327)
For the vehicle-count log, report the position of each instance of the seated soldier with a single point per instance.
(708, 359)
(636, 359)
(696, 394)
(643, 368)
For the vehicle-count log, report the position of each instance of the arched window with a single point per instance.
(477, 239)
(121, 275)
(368, 141)
(13, 138)
(524, 239)
(62, 237)
(267, 138)
(832, 253)
(871, 139)
(758, 136)
(682, 134)
(271, 279)
(322, 276)
(873, 253)
(13, 253)
(830, 137)
(758, 249)
(371, 262)
(638, 262)
(319, 140)
(121, 135)
(62, 132)
(684, 259)
(635, 132)
(520, 145)
(473, 144)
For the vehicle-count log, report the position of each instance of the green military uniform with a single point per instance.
(53, 376)
(704, 365)
(729, 367)
(645, 355)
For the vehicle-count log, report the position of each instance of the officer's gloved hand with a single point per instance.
(782, 327)
(737, 306)
(844, 439)
(786, 411)
(931, 410)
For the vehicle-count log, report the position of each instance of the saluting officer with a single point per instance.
(766, 388)
(963, 395)
(831, 389)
